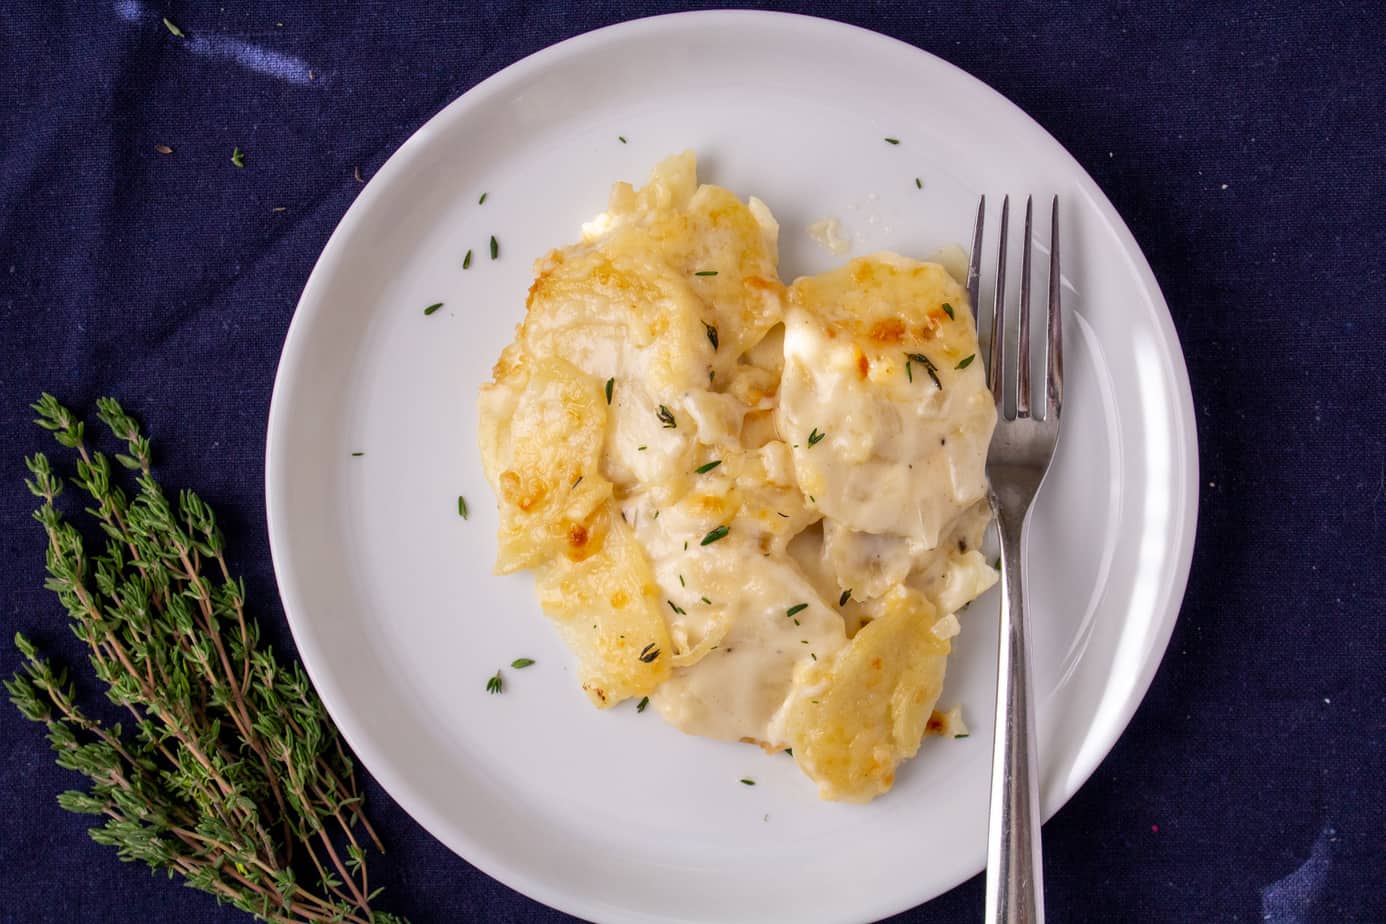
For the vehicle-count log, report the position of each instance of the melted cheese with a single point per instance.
(698, 462)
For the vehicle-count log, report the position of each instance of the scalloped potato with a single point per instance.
(758, 505)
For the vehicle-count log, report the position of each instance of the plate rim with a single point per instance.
(309, 305)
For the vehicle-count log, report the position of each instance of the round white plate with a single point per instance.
(615, 816)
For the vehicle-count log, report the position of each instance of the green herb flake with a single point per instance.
(640, 706)
(238, 157)
(649, 653)
(432, 308)
(495, 247)
(918, 184)
(482, 200)
(948, 310)
(846, 595)
(961, 736)
(641, 448)
(666, 417)
(795, 609)
(928, 365)
(610, 384)
(815, 436)
(789, 751)
(621, 138)
(467, 260)
(712, 339)
(813, 656)
(494, 685)
(716, 533)
(169, 25)
(706, 600)
(462, 506)
(909, 371)
(676, 608)
(521, 663)
(965, 361)
(682, 583)
(356, 454)
(707, 466)
(747, 781)
(706, 273)
(892, 141)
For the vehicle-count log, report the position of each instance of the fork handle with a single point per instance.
(1015, 887)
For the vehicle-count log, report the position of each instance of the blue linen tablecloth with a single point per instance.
(1245, 147)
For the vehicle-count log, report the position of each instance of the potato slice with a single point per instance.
(852, 722)
(542, 429)
(608, 609)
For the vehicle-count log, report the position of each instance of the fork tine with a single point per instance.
(974, 265)
(997, 349)
(1022, 356)
(1054, 348)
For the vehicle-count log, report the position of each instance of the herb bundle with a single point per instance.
(231, 773)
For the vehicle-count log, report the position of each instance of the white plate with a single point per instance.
(612, 815)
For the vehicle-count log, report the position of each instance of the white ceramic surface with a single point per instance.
(614, 816)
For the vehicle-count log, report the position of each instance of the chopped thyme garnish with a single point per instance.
(846, 595)
(641, 448)
(666, 417)
(711, 338)
(706, 273)
(621, 138)
(892, 141)
(796, 608)
(177, 32)
(747, 781)
(706, 600)
(960, 736)
(640, 706)
(495, 247)
(482, 200)
(713, 535)
(237, 157)
(682, 583)
(610, 384)
(656, 515)
(965, 361)
(918, 184)
(909, 371)
(685, 545)
(432, 308)
(813, 656)
(521, 663)
(789, 751)
(815, 436)
(778, 514)
(676, 608)
(948, 310)
(355, 454)
(467, 260)
(576, 481)
(649, 652)
(708, 466)
(462, 506)
(928, 365)
(494, 684)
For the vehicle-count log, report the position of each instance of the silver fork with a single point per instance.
(1021, 449)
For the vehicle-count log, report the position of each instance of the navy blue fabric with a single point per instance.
(1246, 147)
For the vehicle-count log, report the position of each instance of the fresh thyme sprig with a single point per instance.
(232, 774)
